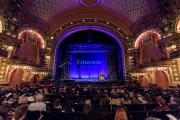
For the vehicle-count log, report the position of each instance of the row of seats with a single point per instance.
(138, 115)
(128, 107)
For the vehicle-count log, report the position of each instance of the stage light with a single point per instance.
(9, 48)
(47, 57)
(173, 46)
(175, 74)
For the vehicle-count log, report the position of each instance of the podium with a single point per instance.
(102, 77)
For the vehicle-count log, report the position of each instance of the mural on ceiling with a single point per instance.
(133, 9)
(149, 49)
(30, 47)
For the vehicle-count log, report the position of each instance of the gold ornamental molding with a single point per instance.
(8, 40)
(90, 21)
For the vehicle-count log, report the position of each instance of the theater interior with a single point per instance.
(89, 59)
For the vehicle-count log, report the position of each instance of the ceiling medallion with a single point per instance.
(89, 2)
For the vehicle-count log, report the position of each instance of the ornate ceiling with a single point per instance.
(133, 9)
(46, 8)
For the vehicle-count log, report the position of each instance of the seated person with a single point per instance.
(20, 112)
(39, 105)
(121, 114)
(57, 107)
(162, 105)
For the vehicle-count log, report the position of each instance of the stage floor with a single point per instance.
(90, 80)
(86, 82)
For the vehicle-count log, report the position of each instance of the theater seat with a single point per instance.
(33, 115)
(137, 115)
(150, 106)
(61, 116)
(135, 107)
(161, 115)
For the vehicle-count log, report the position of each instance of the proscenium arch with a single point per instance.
(71, 31)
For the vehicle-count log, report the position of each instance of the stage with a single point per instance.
(87, 59)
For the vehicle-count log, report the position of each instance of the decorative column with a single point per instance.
(134, 58)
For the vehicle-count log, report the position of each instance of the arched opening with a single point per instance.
(148, 47)
(161, 78)
(89, 54)
(16, 78)
(30, 47)
(144, 80)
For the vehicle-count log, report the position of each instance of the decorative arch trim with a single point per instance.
(92, 22)
(36, 34)
(140, 38)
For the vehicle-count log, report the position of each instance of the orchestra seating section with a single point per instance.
(74, 106)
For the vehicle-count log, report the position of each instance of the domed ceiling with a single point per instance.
(133, 9)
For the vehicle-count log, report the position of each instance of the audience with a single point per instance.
(121, 114)
(15, 103)
(39, 105)
(20, 112)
